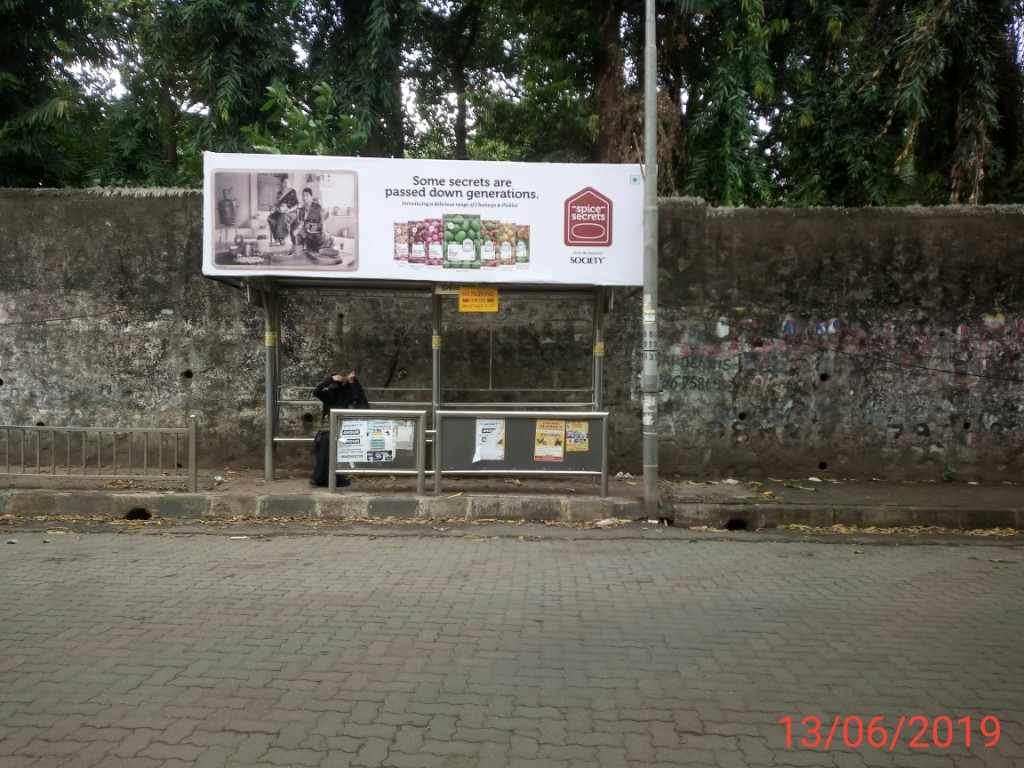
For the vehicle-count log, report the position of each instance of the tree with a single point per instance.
(918, 101)
(357, 48)
(195, 73)
(49, 99)
(452, 54)
(792, 102)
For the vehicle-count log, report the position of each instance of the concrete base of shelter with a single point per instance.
(34, 503)
(353, 506)
(747, 505)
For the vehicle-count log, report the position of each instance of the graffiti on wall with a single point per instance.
(898, 384)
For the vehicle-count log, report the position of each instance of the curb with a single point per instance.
(754, 516)
(30, 503)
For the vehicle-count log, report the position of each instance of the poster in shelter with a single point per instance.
(549, 443)
(490, 440)
(366, 440)
(577, 436)
(405, 435)
(437, 221)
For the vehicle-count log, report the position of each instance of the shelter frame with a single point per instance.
(268, 291)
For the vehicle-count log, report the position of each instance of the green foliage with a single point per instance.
(319, 128)
(357, 47)
(789, 102)
(46, 114)
(195, 72)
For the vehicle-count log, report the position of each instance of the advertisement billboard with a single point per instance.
(441, 221)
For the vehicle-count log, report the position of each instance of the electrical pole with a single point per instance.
(650, 385)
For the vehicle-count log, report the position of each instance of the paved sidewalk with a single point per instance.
(753, 504)
(527, 646)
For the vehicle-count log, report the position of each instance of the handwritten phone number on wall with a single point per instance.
(700, 383)
(918, 731)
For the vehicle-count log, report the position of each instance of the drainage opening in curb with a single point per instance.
(137, 514)
(736, 524)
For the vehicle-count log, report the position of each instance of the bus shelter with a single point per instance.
(460, 241)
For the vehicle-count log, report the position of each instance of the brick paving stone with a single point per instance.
(402, 649)
(402, 760)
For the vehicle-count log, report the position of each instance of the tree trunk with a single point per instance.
(168, 125)
(469, 21)
(608, 87)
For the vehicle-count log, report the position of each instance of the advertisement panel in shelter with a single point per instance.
(423, 220)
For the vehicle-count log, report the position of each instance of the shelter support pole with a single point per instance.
(271, 330)
(435, 385)
(650, 386)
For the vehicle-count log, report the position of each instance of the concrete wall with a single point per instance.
(862, 343)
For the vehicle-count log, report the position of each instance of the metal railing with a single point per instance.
(363, 445)
(108, 453)
(521, 458)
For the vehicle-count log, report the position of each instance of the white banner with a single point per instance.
(425, 220)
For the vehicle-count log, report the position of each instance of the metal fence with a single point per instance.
(110, 453)
(541, 442)
(371, 442)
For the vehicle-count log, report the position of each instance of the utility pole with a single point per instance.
(650, 385)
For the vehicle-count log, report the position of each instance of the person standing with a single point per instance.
(336, 392)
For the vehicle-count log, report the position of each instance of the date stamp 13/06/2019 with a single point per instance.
(916, 731)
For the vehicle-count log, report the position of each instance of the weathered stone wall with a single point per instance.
(869, 342)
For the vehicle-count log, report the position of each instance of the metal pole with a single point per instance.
(438, 427)
(192, 479)
(650, 386)
(270, 326)
(598, 352)
(332, 450)
(435, 387)
(421, 453)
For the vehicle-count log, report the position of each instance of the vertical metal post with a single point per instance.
(193, 483)
(332, 450)
(604, 456)
(650, 386)
(270, 328)
(598, 351)
(435, 388)
(421, 450)
(438, 422)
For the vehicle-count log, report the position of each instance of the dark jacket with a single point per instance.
(334, 395)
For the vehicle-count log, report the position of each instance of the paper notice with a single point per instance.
(577, 436)
(549, 444)
(490, 440)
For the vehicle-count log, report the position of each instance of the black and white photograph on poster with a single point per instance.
(373, 456)
(286, 219)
